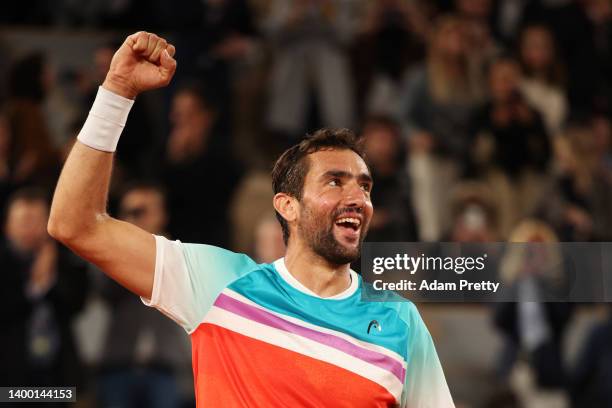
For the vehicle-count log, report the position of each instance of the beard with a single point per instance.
(319, 235)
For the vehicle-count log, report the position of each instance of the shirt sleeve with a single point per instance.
(189, 277)
(425, 385)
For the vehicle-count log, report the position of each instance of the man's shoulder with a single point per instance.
(204, 261)
(216, 255)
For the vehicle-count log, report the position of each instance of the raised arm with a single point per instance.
(78, 217)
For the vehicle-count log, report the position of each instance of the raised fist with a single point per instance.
(143, 62)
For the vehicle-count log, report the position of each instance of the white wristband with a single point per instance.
(106, 120)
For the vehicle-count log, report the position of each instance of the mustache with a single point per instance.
(340, 211)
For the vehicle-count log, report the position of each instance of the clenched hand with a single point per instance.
(143, 62)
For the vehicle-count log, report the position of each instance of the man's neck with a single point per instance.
(316, 273)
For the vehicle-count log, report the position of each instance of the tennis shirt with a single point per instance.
(261, 339)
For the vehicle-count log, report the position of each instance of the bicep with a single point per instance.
(123, 251)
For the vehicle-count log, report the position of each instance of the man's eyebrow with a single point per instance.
(365, 177)
(346, 174)
(336, 173)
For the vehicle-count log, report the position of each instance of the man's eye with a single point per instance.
(334, 182)
(366, 187)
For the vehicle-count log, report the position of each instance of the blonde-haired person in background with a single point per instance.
(437, 103)
(533, 330)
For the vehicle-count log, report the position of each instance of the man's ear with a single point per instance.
(286, 206)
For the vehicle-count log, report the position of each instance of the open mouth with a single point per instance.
(349, 223)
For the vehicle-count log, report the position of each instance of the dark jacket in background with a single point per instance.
(65, 299)
(546, 360)
(198, 194)
(592, 376)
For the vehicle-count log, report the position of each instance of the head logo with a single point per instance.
(374, 324)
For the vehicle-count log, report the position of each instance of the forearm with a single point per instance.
(81, 195)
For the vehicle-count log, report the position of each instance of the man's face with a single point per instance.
(381, 145)
(335, 209)
(188, 117)
(504, 79)
(144, 208)
(26, 224)
(102, 61)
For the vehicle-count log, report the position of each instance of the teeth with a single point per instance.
(355, 221)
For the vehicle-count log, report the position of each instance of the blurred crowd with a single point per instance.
(482, 121)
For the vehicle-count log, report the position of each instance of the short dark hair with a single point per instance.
(382, 121)
(26, 77)
(205, 94)
(139, 185)
(142, 185)
(28, 195)
(502, 58)
(289, 172)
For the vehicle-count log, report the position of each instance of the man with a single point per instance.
(194, 150)
(43, 289)
(291, 333)
(394, 219)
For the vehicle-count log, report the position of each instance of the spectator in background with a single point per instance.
(511, 148)
(32, 158)
(437, 104)
(196, 167)
(6, 179)
(61, 106)
(583, 34)
(249, 205)
(592, 374)
(269, 244)
(310, 77)
(543, 76)
(479, 10)
(142, 349)
(474, 214)
(506, 19)
(394, 218)
(481, 46)
(601, 125)
(216, 39)
(391, 38)
(533, 330)
(43, 288)
(213, 32)
(587, 36)
(582, 196)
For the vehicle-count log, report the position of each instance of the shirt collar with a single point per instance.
(280, 266)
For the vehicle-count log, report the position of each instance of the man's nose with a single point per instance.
(356, 196)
